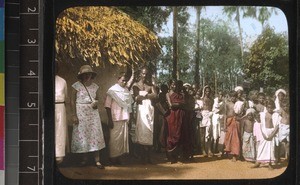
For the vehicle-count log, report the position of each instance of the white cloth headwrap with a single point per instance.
(122, 96)
(238, 107)
(237, 88)
(251, 110)
(203, 91)
(277, 105)
(186, 84)
(280, 91)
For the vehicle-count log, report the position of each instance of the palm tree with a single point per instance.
(264, 13)
(260, 13)
(175, 46)
(197, 57)
(235, 10)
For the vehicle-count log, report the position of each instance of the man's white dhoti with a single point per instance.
(144, 123)
(216, 126)
(206, 122)
(119, 142)
(266, 148)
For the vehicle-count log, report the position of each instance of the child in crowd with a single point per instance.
(258, 137)
(247, 124)
(269, 129)
(284, 128)
(260, 106)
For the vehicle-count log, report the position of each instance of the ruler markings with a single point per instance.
(33, 156)
(24, 140)
(12, 3)
(10, 66)
(29, 77)
(8, 113)
(13, 17)
(12, 50)
(31, 45)
(29, 108)
(12, 34)
(29, 13)
(33, 61)
(29, 140)
(28, 172)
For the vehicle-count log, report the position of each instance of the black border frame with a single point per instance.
(52, 8)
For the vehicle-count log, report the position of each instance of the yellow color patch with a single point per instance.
(2, 90)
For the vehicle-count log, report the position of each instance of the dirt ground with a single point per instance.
(204, 168)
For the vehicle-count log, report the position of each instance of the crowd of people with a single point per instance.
(175, 117)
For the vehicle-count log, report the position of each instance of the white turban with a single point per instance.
(280, 91)
(277, 104)
(251, 110)
(203, 90)
(238, 88)
(186, 84)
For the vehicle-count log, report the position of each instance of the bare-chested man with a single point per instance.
(206, 105)
(144, 92)
(232, 137)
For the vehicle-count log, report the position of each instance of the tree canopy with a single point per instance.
(96, 35)
(267, 64)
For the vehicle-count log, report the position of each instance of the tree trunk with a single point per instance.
(240, 32)
(231, 81)
(175, 47)
(197, 58)
(216, 82)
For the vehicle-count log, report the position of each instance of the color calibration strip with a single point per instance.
(2, 96)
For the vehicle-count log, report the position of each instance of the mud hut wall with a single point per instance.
(106, 77)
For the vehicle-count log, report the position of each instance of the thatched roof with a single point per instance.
(97, 35)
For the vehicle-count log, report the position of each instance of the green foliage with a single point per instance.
(267, 64)
(220, 53)
(262, 14)
(153, 17)
(164, 65)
